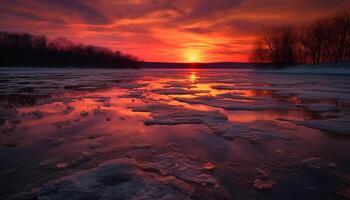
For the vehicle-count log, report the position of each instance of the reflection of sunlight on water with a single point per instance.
(202, 86)
(193, 77)
(85, 101)
(207, 87)
(251, 116)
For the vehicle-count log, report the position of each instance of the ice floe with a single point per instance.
(226, 104)
(127, 179)
(163, 114)
(178, 91)
(340, 125)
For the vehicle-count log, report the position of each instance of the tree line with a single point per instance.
(24, 49)
(324, 41)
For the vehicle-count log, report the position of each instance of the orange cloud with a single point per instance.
(163, 30)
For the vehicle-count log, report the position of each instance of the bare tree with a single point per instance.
(313, 42)
(341, 27)
(277, 46)
(324, 41)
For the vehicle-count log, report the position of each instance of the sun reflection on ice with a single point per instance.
(193, 77)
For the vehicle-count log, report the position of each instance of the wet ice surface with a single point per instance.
(173, 134)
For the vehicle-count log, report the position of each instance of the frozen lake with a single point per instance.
(173, 134)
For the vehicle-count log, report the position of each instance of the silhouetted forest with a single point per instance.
(324, 41)
(22, 49)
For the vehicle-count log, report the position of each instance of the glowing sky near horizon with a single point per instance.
(163, 30)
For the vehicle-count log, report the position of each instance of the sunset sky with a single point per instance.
(163, 30)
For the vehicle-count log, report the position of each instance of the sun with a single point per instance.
(192, 56)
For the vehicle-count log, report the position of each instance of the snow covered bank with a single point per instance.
(325, 69)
